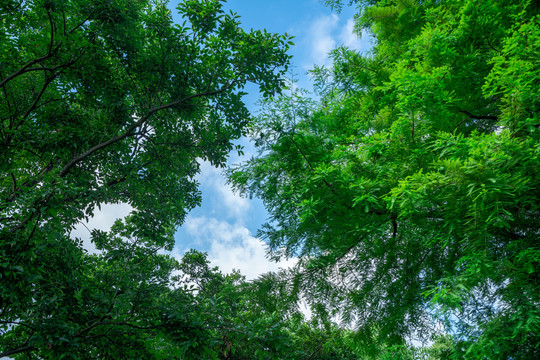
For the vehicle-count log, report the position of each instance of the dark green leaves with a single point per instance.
(110, 102)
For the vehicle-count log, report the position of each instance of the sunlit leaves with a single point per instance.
(410, 191)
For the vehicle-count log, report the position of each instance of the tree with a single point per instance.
(409, 191)
(109, 102)
(254, 320)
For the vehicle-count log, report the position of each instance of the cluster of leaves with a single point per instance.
(111, 102)
(410, 189)
(255, 320)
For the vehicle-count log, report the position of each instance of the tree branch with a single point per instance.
(479, 117)
(23, 348)
(50, 53)
(134, 126)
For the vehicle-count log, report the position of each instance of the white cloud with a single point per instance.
(321, 41)
(233, 247)
(103, 220)
(350, 38)
(248, 255)
(235, 205)
(326, 33)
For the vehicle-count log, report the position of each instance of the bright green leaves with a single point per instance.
(414, 180)
(422, 101)
(479, 179)
(515, 78)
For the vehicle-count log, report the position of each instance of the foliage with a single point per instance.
(234, 324)
(110, 102)
(410, 190)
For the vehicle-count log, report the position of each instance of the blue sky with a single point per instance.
(226, 224)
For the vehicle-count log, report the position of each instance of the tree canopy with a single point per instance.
(111, 102)
(409, 189)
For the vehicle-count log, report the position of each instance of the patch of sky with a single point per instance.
(225, 224)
